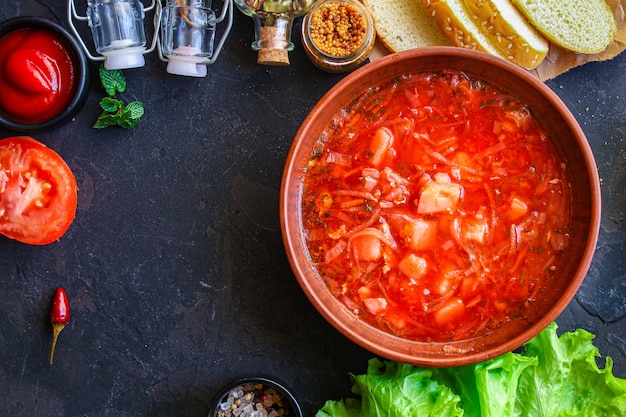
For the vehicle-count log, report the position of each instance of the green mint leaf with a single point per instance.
(136, 109)
(127, 123)
(105, 120)
(113, 81)
(129, 116)
(111, 105)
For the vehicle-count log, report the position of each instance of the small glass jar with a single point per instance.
(273, 21)
(338, 35)
(187, 36)
(118, 32)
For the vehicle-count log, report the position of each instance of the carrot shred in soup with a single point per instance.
(435, 207)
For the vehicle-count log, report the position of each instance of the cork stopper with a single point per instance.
(272, 53)
(272, 56)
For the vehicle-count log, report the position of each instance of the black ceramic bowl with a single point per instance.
(80, 89)
(263, 388)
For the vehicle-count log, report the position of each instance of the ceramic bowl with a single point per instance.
(81, 76)
(570, 142)
(250, 391)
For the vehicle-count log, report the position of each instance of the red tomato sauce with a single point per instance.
(435, 207)
(37, 75)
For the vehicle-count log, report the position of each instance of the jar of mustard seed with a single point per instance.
(338, 35)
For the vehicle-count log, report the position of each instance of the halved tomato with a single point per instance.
(38, 192)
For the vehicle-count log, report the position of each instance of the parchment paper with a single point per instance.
(560, 60)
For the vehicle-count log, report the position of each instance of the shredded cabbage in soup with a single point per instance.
(435, 207)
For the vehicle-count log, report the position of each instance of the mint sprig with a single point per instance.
(115, 111)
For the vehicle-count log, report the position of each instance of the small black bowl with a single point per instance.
(81, 67)
(289, 403)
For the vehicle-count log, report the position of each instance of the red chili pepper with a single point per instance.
(59, 316)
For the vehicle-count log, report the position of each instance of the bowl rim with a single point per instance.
(265, 380)
(450, 354)
(82, 72)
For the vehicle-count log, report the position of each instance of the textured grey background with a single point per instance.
(175, 266)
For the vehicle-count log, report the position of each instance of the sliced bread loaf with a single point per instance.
(456, 22)
(583, 26)
(514, 35)
(404, 24)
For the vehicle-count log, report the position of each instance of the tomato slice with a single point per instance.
(38, 192)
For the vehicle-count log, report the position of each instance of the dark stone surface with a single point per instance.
(175, 267)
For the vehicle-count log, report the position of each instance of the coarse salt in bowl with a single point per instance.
(431, 192)
(260, 395)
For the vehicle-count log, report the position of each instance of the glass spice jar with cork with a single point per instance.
(338, 35)
(273, 21)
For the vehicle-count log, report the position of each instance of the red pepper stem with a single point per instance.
(59, 316)
(56, 328)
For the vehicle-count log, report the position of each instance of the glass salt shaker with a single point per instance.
(187, 35)
(117, 28)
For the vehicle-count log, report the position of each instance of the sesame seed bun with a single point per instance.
(516, 38)
(456, 22)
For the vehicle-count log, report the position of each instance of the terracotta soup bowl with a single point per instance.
(440, 206)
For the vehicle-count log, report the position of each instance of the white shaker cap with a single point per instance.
(124, 58)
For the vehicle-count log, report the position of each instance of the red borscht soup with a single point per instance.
(435, 207)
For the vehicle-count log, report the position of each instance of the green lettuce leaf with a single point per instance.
(347, 407)
(487, 389)
(393, 389)
(552, 377)
(567, 380)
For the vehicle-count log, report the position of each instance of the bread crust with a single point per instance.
(404, 24)
(455, 21)
(586, 27)
(514, 35)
